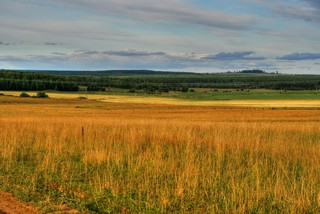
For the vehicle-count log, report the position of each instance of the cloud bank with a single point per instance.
(4, 43)
(130, 59)
(53, 43)
(234, 56)
(300, 56)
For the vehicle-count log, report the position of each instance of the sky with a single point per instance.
(170, 35)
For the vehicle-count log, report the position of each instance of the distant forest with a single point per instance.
(151, 81)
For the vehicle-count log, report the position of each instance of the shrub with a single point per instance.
(165, 90)
(41, 94)
(82, 98)
(132, 90)
(184, 89)
(24, 94)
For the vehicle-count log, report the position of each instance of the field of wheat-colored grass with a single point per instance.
(137, 158)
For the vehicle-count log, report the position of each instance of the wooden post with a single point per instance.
(82, 135)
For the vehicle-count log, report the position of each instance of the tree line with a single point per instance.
(151, 82)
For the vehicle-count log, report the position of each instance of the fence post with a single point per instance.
(82, 135)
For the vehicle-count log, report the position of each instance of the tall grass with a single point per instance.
(160, 158)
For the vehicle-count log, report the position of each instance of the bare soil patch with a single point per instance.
(8, 205)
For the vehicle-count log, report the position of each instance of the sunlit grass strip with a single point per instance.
(235, 102)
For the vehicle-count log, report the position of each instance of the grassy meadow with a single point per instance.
(116, 157)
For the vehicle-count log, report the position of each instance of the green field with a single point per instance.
(224, 94)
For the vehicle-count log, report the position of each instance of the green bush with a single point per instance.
(41, 94)
(132, 90)
(184, 89)
(82, 98)
(24, 94)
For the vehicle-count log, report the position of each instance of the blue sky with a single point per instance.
(177, 35)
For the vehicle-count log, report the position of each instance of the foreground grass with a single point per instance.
(106, 157)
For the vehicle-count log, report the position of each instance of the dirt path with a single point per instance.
(9, 205)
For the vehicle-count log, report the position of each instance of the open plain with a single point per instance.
(148, 106)
(136, 157)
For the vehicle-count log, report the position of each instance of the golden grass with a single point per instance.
(160, 158)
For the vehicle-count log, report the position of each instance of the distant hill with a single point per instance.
(135, 72)
(255, 71)
(107, 72)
